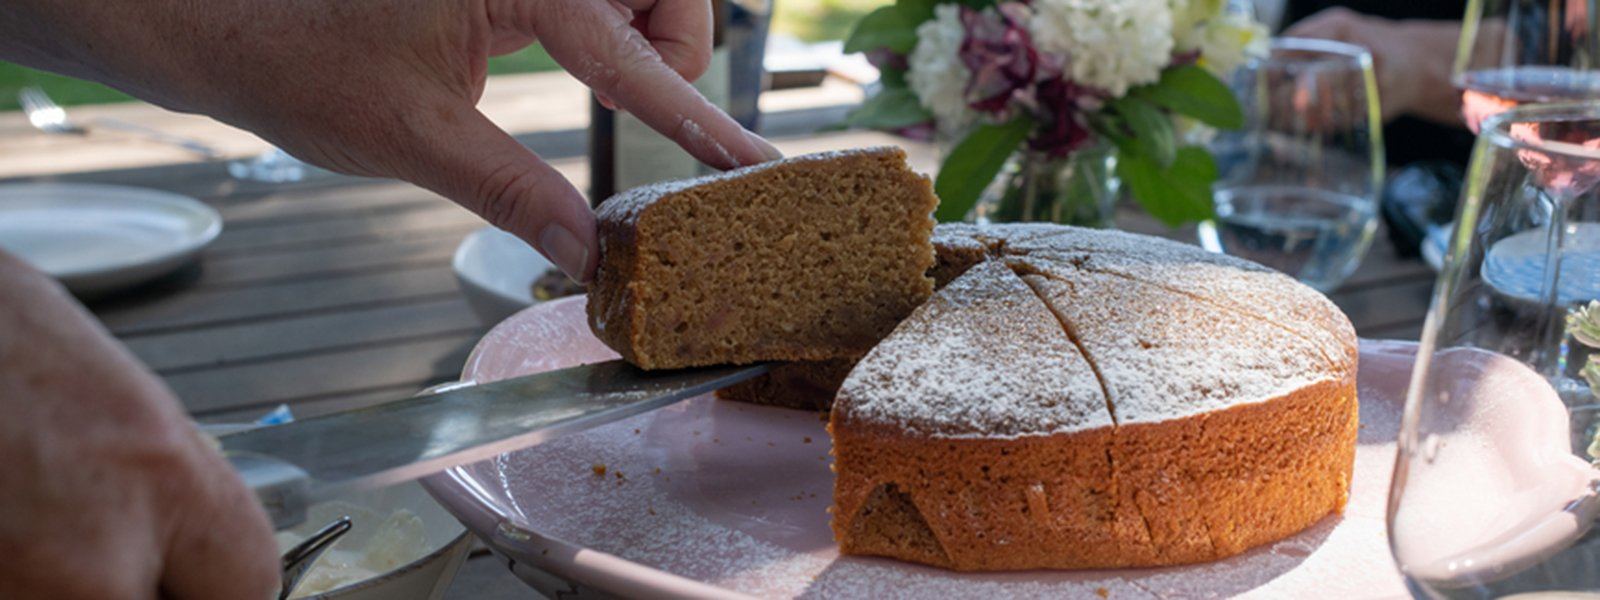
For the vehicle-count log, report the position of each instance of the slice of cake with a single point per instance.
(1231, 432)
(975, 437)
(811, 385)
(814, 257)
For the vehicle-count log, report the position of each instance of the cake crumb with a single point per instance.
(808, 439)
(636, 432)
(599, 469)
(658, 471)
(650, 511)
(772, 444)
(1102, 592)
(619, 475)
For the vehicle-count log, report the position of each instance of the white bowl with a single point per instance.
(426, 570)
(496, 271)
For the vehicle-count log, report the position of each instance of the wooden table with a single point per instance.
(337, 292)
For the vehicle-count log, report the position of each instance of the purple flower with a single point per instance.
(1062, 109)
(1000, 55)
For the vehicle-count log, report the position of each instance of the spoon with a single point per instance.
(299, 559)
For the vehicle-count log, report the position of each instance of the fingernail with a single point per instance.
(606, 102)
(564, 249)
(766, 148)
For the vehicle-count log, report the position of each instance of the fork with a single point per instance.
(47, 116)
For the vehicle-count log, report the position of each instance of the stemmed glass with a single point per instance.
(1525, 51)
(1297, 187)
(1494, 493)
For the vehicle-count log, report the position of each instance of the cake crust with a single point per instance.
(1227, 425)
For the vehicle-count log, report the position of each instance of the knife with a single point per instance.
(297, 464)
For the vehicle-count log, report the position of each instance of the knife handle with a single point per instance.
(283, 489)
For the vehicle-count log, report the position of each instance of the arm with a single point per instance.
(388, 87)
(1412, 59)
(107, 490)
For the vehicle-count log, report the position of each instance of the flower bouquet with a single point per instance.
(1041, 84)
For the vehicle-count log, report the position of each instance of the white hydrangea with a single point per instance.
(1228, 42)
(936, 73)
(1108, 44)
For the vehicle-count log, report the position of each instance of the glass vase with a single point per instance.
(1077, 189)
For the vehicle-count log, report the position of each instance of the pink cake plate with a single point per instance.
(711, 499)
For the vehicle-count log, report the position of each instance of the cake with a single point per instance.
(1066, 399)
(810, 258)
(1085, 399)
(811, 385)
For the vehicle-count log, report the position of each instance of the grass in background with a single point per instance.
(820, 20)
(70, 91)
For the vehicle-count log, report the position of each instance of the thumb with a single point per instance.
(468, 159)
(222, 545)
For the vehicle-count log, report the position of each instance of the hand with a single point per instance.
(108, 492)
(388, 87)
(1412, 59)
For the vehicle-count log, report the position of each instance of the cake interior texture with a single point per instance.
(811, 258)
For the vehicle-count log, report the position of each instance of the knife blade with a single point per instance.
(294, 465)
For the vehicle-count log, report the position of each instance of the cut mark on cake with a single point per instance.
(1236, 310)
(1116, 496)
(1072, 335)
(889, 520)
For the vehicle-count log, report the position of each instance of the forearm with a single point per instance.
(1430, 93)
(125, 44)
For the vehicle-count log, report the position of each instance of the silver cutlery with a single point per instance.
(47, 116)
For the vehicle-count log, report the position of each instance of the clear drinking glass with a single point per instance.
(1494, 488)
(1525, 51)
(1297, 187)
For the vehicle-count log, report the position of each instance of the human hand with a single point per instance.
(1411, 59)
(388, 87)
(108, 492)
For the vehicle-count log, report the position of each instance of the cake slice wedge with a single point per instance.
(813, 257)
(976, 437)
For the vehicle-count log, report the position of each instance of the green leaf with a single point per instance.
(1177, 194)
(891, 108)
(973, 164)
(1194, 92)
(1152, 129)
(892, 78)
(916, 11)
(886, 27)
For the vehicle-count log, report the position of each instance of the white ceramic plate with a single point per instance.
(496, 271)
(720, 499)
(99, 238)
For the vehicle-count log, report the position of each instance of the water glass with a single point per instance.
(1494, 492)
(1298, 184)
(1515, 52)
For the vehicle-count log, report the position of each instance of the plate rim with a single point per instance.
(178, 253)
(608, 572)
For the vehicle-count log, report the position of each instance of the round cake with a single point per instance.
(1089, 399)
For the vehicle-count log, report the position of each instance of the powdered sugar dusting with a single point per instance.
(625, 208)
(983, 359)
(1164, 356)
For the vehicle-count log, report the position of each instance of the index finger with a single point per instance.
(601, 49)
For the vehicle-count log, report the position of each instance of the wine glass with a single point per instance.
(1525, 51)
(1297, 186)
(1494, 491)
